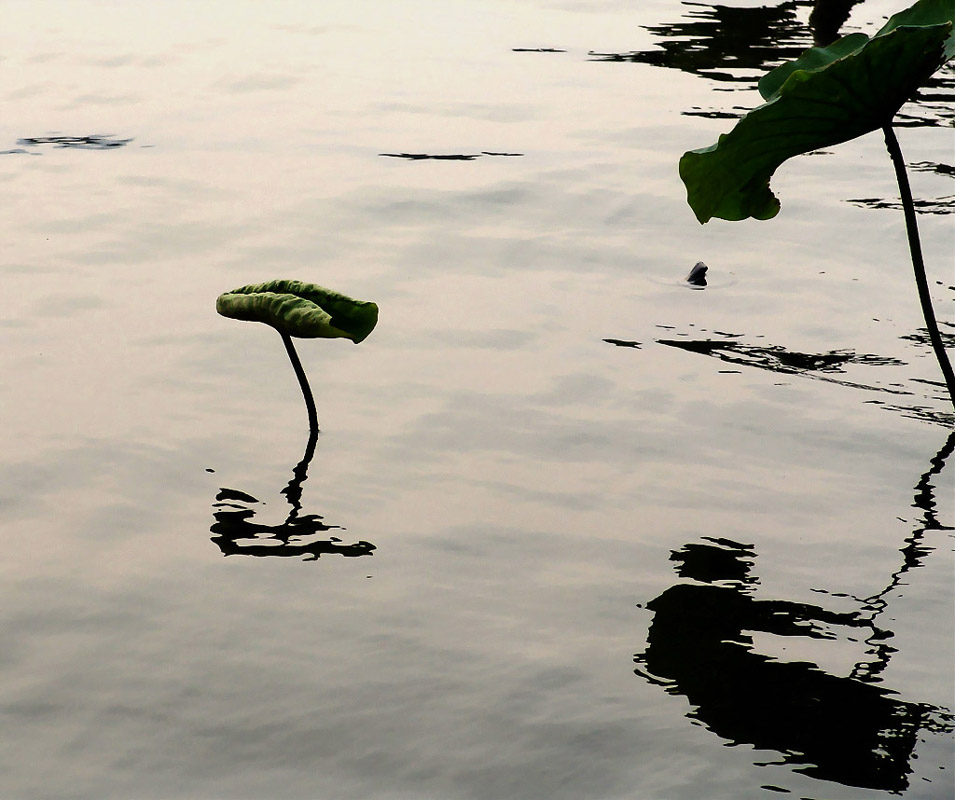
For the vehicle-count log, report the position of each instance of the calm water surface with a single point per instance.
(710, 559)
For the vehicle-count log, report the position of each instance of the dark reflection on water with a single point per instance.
(236, 532)
(447, 157)
(933, 166)
(776, 358)
(940, 205)
(921, 413)
(738, 111)
(841, 729)
(790, 362)
(91, 142)
(933, 104)
(817, 366)
(827, 17)
(738, 45)
(725, 43)
(921, 337)
(914, 552)
(925, 501)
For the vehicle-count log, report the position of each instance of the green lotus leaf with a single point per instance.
(813, 59)
(825, 97)
(925, 12)
(300, 309)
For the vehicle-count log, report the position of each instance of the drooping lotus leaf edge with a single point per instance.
(754, 198)
(299, 309)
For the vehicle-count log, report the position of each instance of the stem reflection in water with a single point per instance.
(236, 532)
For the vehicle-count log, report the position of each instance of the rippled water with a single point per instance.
(571, 529)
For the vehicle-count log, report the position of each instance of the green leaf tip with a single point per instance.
(305, 310)
(827, 96)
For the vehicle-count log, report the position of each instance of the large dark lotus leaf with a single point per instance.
(301, 309)
(828, 96)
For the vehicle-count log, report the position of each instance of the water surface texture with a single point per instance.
(572, 529)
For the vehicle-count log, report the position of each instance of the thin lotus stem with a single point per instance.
(911, 228)
(303, 383)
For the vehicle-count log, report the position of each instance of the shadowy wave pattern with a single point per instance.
(941, 205)
(92, 142)
(447, 157)
(731, 45)
(736, 46)
(826, 366)
(842, 729)
(300, 535)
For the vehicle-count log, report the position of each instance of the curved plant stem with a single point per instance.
(302, 382)
(911, 228)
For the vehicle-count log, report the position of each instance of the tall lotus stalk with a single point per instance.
(303, 310)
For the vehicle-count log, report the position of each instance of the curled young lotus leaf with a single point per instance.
(827, 96)
(301, 309)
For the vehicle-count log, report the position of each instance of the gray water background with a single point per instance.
(523, 481)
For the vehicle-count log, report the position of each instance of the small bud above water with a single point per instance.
(697, 276)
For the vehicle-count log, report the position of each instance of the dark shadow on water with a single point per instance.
(827, 18)
(779, 359)
(842, 729)
(91, 142)
(828, 366)
(920, 336)
(933, 104)
(734, 46)
(301, 535)
(917, 547)
(819, 366)
(696, 111)
(933, 166)
(448, 157)
(846, 730)
(940, 205)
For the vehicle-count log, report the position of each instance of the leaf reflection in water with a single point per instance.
(736, 45)
(842, 729)
(236, 532)
(723, 43)
(846, 730)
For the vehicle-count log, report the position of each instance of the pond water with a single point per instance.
(572, 529)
